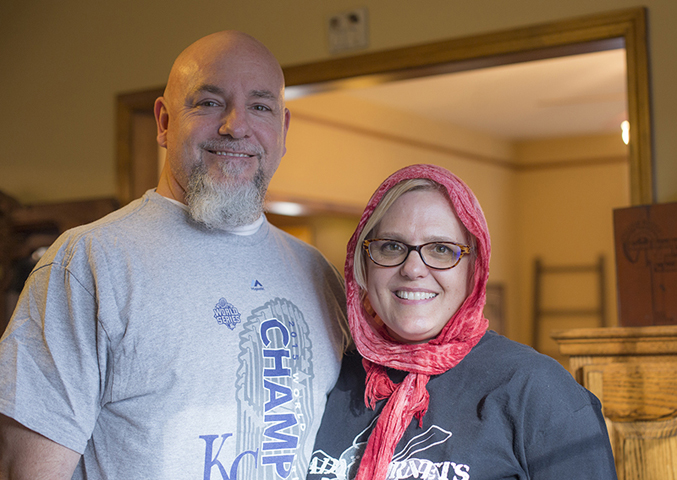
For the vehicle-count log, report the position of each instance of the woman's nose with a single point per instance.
(413, 266)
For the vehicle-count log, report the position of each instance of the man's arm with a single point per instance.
(26, 455)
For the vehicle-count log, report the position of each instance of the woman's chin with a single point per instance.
(411, 337)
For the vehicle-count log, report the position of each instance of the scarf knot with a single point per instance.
(379, 386)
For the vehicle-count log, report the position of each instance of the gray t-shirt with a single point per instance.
(160, 350)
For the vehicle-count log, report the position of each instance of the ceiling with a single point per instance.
(566, 96)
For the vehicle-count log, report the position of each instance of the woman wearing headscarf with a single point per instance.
(430, 393)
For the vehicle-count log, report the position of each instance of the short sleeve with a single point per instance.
(565, 434)
(52, 360)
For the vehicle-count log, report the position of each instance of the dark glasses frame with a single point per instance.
(465, 250)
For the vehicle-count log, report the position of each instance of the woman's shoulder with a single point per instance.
(502, 362)
(501, 352)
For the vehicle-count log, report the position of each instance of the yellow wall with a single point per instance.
(565, 218)
(549, 198)
(323, 160)
(64, 62)
(342, 148)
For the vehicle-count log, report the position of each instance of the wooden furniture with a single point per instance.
(633, 371)
(25, 230)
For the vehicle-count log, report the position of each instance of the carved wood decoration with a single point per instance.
(646, 264)
(633, 371)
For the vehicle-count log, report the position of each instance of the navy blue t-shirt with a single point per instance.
(504, 412)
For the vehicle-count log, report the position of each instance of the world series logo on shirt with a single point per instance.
(226, 314)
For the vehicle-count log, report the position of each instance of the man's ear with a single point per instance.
(161, 120)
(287, 119)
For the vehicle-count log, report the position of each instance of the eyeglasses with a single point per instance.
(436, 255)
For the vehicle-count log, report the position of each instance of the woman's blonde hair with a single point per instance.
(390, 197)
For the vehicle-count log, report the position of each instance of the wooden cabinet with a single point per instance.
(26, 229)
(633, 371)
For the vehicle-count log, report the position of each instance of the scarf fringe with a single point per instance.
(408, 399)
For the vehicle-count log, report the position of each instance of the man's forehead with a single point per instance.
(225, 73)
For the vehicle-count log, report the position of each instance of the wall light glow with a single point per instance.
(285, 208)
(625, 129)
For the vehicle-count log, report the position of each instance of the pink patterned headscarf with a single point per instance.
(462, 332)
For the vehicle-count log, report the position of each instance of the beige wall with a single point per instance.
(565, 218)
(548, 198)
(64, 62)
(355, 145)
(324, 161)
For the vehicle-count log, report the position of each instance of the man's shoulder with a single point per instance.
(133, 219)
(291, 242)
(306, 256)
(114, 218)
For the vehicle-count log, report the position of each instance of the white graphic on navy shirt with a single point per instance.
(406, 464)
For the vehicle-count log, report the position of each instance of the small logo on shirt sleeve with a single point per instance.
(256, 285)
(226, 314)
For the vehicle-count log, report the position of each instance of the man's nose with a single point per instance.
(235, 123)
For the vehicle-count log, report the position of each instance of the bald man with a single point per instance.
(182, 336)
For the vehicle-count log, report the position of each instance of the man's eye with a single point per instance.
(207, 103)
(261, 108)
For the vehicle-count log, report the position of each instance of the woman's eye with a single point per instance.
(442, 250)
(391, 247)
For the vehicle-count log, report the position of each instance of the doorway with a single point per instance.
(298, 177)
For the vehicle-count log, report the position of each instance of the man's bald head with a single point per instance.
(212, 50)
(222, 118)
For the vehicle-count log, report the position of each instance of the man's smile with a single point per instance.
(230, 154)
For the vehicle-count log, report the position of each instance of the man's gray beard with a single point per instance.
(225, 204)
